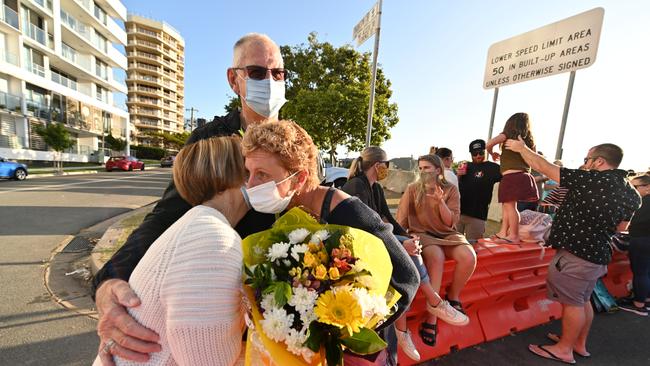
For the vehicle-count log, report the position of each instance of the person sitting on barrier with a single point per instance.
(447, 157)
(600, 202)
(430, 208)
(517, 183)
(639, 251)
(476, 181)
(365, 171)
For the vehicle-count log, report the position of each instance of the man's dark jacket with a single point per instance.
(171, 207)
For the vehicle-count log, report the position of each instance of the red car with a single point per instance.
(124, 163)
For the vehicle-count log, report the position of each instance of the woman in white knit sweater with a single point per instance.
(189, 281)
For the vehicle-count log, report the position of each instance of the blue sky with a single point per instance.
(434, 53)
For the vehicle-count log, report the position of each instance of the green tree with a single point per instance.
(174, 141)
(115, 143)
(328, 94)
(57, 138)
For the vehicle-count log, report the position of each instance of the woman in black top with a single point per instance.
(281, 162)
(640, 250)
(365, 172)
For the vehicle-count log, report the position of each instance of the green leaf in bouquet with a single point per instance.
(261, 276)
(315, 336)
(282, 293)
(333, 350)
(334, 239)
(365, 342)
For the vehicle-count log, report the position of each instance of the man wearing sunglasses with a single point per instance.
(476, 182)
(257, 77)
(600, 201)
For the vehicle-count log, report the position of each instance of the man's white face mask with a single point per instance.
(265, 97)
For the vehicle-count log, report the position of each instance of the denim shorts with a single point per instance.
(417, 260)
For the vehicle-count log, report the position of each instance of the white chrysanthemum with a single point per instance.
(276, 324)
(306, 317)
(268, 302)
(296, 250)
(303, 299)
(365, 301)
(298, 236)
(371, 304)
(319, 236)
(379, 305)
(278, 251)
(295, 340)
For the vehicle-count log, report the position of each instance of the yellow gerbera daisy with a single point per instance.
(340, 309)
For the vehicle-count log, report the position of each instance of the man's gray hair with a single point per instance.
(241, 45)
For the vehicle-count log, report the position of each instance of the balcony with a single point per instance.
(145, 32)
(147, 122)
(37, 109)
(146, 112)
(137, 65)
(145, 55)
(76, 26)
(10, 102)
(144, 89)
(70, 54)
(139, 42)
(45, 4)
(62, 80)
(9, 16)
(149, 101)
(36, 69)
(36, 34)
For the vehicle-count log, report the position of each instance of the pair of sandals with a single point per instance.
(429, 332)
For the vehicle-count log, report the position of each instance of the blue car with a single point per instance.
(12, 170)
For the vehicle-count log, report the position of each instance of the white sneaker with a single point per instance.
(447, 313)
(406, 344)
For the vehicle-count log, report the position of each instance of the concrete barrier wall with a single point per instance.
(398, 180)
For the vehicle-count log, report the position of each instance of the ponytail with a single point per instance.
(355, 168)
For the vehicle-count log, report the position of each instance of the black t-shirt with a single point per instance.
(476, 188)
(596, 203)
(640, 224)
(374, 198)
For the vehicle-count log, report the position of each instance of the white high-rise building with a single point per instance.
(62, 61)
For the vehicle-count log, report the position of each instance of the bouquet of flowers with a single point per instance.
(316, 290)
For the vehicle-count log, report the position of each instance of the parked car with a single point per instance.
(12, 170)
(335, 177)
(126, 163)
(167, 161)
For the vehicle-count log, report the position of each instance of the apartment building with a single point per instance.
(60, 63)
(155, 78)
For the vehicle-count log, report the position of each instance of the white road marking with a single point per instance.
(78, 183)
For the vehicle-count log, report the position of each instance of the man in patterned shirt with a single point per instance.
(600, 202)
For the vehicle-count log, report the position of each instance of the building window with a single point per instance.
(101, 69)
(34, 61)
(100, 14)
(102, 94)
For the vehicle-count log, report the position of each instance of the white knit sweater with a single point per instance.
(189, 282)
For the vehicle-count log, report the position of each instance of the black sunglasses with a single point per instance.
(477, 153)
(259, 73)
(590, 158)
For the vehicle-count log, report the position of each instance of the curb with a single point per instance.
(36, 175)
(111, 234)
(46, 282)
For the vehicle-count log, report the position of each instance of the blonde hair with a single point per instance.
(289, 142)
(208, 167)
(439, 179)
(369, 156)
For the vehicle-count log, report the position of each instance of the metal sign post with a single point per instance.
(565, 114)
(494, 110)
(371, 23)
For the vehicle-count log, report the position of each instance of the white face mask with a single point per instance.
(265, 97)
(266, 198)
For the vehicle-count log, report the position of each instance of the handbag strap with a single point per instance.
(327, 202)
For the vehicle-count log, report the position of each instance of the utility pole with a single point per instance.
(192, 110)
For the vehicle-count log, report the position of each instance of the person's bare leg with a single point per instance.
(573, 323)
(580, 345)
(465, 258)
(434, 260)
(510, 210)
(503, 231)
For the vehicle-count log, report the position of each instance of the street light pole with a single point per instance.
(192, 110)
